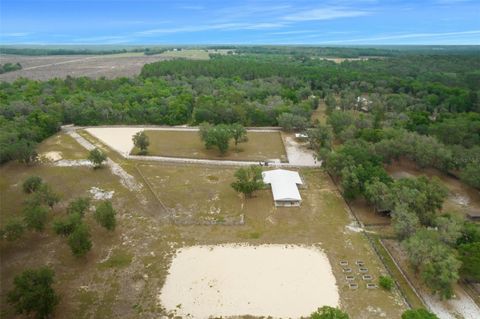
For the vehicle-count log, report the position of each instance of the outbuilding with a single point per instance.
(284, 185)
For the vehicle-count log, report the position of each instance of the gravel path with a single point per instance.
(126, 179)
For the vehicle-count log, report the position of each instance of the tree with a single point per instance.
(218, 135)
(327, 312)
(25, 152)
(422, 195)
(79, 240)
(239, 133)
(380, 195)
(469, 255)
(471, 175)
(405, 222)
(32, 184)
(418, 314)
(79, 205)
(35, 216)
(141, 141)
(339, 121)
(97, 157)
(13, 230)
(320, 137)
(386, 282)
(203, 131)
(33, 293)
(67, 225)
(470, 233)
(47, 196)
(248, 180)
(450, 228)
(105, 215)
(436, 262)
(419, 246)
(292, 122)
(440, 272)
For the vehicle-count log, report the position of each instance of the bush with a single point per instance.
(79, 241)
(33, 293)
(97, 157)
(418, 314)
(35, 217)
(327, 312)
(67, 226)
(13, 230)
(32, 184)
(79, 205)
(386, 282)
(105, 215)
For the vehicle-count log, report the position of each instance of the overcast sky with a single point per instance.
(239, 22)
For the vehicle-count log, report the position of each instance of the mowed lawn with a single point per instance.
(260, 146)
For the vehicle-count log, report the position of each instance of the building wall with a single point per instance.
(279, 203)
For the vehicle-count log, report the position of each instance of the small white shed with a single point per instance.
(284, 186)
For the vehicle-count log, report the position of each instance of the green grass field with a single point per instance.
(260, 146)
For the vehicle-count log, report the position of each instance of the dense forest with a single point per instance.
(433, 99)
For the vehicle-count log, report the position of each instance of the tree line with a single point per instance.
(10, 67)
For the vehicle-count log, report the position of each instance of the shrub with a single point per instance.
(386, 282)
(79, 205)
(13, 230)
(79, 240)
(33, 293)
(32, 184)
(97, 157)
(35, 217)
(105, 215)
(418, 314)
(67, 225)
(327, 312)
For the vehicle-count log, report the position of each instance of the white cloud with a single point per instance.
(217, 26)
(405, 36)
(16, 34)
(327, 13)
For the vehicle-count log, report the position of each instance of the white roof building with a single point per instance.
(284, 186)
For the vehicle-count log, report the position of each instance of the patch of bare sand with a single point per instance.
(117, 138)
(284, 281)
(51, 156)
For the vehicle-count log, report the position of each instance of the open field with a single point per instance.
(194, 54)
(124, 273)
(254, 280)
(260, 146)
(95, 66)
(195, 196)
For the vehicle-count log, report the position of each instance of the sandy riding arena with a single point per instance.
(117, 138)
(235, 280)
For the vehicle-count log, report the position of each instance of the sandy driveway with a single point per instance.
(234, 280)
(298, 153)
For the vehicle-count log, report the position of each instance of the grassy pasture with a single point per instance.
(122, 275)
(65, 144)
(260, 146)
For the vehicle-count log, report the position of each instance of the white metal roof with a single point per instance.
(284, 184)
